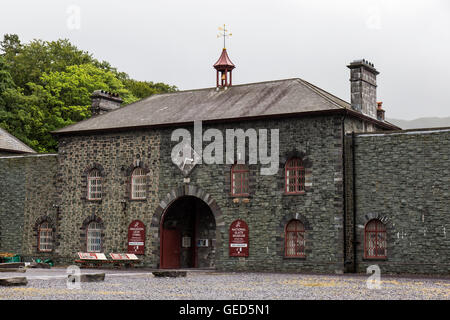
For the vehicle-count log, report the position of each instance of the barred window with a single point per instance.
(294, 176)
(239, 180)
(94, 185)
(45, 237)
(94, 237)
(295, 239)
(138, 184)
(375, 245)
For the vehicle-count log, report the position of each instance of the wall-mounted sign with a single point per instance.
(202, 243)
(238, 239)
(136, 237)
(186, 242)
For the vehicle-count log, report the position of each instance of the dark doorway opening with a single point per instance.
(188, 235)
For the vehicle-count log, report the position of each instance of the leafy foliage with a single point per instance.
(45, 86)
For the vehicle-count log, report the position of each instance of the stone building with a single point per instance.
(338, 200)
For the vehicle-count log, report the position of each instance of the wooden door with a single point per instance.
(171, 248)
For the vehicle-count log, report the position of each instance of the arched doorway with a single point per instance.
(187, 234)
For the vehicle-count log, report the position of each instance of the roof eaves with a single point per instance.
(221, 120)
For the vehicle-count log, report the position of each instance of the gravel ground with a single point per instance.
(123, 284)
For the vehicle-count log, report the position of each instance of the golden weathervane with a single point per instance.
(223, 33)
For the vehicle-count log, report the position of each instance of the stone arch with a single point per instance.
(295, 154)
(182, 191)
(83, 231)
(371, 216)
(280, 239)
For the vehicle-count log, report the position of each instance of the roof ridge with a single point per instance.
(210, 88)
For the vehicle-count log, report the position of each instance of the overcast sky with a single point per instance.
(174, 41)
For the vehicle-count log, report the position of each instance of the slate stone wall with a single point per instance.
(267, 210)
(116, 154)
(403, 178)
(27, 198)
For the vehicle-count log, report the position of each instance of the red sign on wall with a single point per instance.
(136, 237)
(239, 239)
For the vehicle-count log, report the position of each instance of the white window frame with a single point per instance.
(94, 182)
(94, 237)
(138, 184)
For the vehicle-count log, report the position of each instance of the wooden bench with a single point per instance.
(124, 259)
(94, 260)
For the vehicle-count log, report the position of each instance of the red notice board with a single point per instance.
(238, 239)
(136, 237)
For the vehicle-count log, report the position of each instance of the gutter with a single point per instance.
(342, 111)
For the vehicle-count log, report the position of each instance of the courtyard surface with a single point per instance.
(141, 284)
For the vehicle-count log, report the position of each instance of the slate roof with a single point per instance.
(10, 143)
(279, 97)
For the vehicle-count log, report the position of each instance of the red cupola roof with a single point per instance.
(224, 62)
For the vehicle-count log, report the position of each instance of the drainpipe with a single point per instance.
(354, 201)
(344, 188)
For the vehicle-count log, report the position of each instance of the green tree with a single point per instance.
(46, 85)
(10, 45)
(143, 89)
(6, 80)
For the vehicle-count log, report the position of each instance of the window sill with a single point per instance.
(375, 259)
(294, 194)
(295, 258)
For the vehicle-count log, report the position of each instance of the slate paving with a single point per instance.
(141, 284)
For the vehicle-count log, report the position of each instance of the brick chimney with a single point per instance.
(363, 83)
(103, 102)
(380, 111)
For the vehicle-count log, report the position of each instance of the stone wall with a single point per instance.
(403, 178)
(267, 210)
(27, 198)
(116, 154)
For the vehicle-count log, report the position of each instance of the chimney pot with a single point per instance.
(380, 112)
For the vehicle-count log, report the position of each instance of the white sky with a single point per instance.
(174, 41)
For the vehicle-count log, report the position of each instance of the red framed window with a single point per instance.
(375, 244)
(239, 180)
(295, 239)
(94, 185)
(294, 176)
(138, 184)
(45, 237)
(94, 237)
